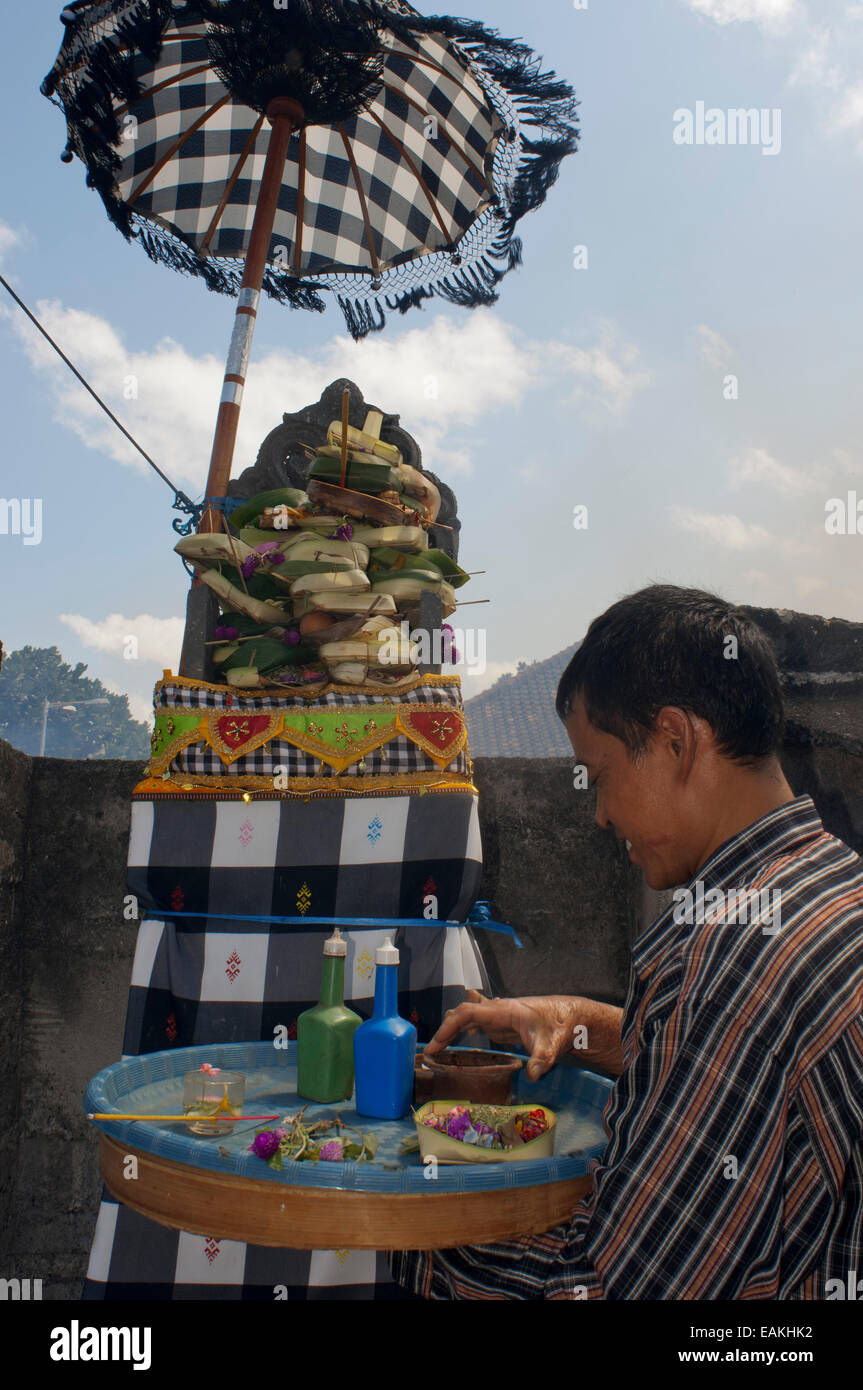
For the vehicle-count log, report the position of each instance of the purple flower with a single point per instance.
(331, 1151)
(450, 651)
(249, 565)
(265, 1143)
(343, 533)
(291, 637)
(458, 1126)
(226, 634)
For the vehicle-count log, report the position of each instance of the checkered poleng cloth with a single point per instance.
(197, 980)
(197, 195)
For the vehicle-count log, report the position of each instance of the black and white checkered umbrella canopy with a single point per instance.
(406, 181)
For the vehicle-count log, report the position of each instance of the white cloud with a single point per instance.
(814, 64)
(724, 529)
(767, 13)
(10, 237)
(607, 372)
(823, 49)
(713, 348)
(757, 466)
(157, 639)
(848, 113)
(731, 532)
(445, 377)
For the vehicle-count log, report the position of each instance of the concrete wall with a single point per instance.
(66, 952)
(15, 774)
(75, 962)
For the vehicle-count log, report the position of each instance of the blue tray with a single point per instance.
(153, 1084)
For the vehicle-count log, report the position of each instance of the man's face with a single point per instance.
(645, 801)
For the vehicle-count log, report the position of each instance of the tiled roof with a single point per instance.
(515, 718)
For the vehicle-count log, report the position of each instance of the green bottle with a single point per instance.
(325, 1034)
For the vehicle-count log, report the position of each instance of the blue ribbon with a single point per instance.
(182, 503)
(479, 916)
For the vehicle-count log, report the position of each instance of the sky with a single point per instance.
(677, 401)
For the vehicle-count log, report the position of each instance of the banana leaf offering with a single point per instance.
(363, 474)
(387, 563)
(310, 581)
(248, 512)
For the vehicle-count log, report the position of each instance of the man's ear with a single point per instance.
(676, 728)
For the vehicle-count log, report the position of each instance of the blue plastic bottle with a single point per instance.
(385, 1047)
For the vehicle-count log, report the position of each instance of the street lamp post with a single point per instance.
(61, 704)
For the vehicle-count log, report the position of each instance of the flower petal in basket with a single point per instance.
(448, 1150)
(233, 735)
(439, 731)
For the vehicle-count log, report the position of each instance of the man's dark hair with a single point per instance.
(667, 646)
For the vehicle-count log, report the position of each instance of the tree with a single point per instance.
(33, 675)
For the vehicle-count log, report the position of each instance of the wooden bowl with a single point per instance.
(472, 1074)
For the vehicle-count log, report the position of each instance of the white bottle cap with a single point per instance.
(387, 954)
(334, 945)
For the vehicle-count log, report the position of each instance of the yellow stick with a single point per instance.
(183, 1119)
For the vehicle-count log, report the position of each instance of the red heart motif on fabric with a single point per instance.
(237, 729)
(440, 728)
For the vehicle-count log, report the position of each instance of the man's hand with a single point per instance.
(543, 1026)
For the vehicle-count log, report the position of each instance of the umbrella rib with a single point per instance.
(178, 144)
(301, 198)
(416, 173)
(370, 240)
(229, 186)
(160, 87)
(469, 162)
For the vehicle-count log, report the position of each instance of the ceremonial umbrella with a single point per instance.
(296, 146)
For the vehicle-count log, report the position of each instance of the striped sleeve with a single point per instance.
(688, 1201)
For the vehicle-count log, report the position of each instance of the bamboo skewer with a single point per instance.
(236, 559)
(346, 400)
(183, 1119)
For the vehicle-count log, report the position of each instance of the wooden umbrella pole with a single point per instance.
(285, 116)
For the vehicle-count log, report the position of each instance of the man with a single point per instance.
(734, 1166)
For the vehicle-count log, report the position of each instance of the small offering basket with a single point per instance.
(448, 1150)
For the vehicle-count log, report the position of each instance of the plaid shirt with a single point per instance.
(734, 1167)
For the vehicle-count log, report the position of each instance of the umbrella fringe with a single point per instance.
(167, 250)
(359, 317)
(287, 289)
(470, 288)
(412, 299)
